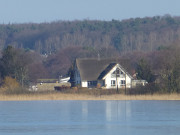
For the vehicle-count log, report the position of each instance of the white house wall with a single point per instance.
(84, 84)
(128, 81)
(108, 79)
(78, 80)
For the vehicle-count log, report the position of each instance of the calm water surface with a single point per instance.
(90, 118)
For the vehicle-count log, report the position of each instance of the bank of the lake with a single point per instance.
(67, 96)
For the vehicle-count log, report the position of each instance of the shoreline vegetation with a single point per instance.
(81, 96)
(12, 91)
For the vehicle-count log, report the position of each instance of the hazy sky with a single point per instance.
(20, 11)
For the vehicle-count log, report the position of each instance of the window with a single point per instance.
(117, 73)
(92, 83)
(122, 73)
(123, 82)
(113, 82)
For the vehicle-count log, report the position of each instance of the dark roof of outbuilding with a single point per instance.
(93, 69)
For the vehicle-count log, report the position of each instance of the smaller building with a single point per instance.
(105, 73)
(50, 84)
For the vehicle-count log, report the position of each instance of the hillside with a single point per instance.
(139, 34)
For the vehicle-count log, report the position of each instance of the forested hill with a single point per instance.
(146, 34)
(150, 46)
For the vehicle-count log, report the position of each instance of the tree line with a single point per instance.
(139, 34)
(48, 50)
(161, 68)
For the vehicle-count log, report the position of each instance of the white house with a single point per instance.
(108, 73)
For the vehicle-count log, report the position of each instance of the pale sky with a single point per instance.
(37, 11)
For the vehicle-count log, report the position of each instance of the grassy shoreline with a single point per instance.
(67, 96)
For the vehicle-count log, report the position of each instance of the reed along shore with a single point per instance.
(67, 96)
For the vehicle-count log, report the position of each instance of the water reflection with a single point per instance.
(108, 111)
(84, 110)
(118, 110)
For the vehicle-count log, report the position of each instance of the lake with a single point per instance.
(90, 117)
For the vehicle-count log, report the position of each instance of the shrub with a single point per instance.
(98, 85)
(11, 86)
(150, 88)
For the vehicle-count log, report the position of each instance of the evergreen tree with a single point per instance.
(144, 72)
(14, 63)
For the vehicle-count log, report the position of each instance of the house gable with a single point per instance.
(117, 76)
(113, 67)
